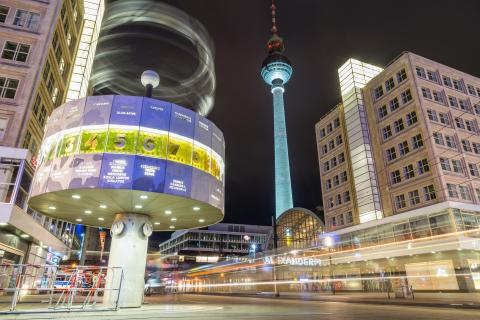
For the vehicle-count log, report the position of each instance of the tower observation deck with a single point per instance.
(276, 71)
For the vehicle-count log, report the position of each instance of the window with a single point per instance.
(471, 90)
(426, 93)
(417, 141)
(444, 118)
(473, 169)
(411, 118)
(8, 88)
(387, 132)
(466, 146)
(346, 196)
(459, 123)
(339, 140)
(391, 154)
(324, 149)
(446, 81)
(329, 127)
(470, 125)
(423, 166)
(464, 105)
(26, 19)
(330, 205)
(450, 142)
(438, 97)
(457, 85)
(328, 184)
(336, 123)
(408, 172)
(395, 176)
(382, 112)
(452, 190)
(378, 92)
(457, 166)
(400, 201)
(406, 96)
(432, 115)
(26, 141)
(322, 133)
(331, 144)
(3, 126)
(389, 84)
(401, 75)
(349, 217)
(414, 197)
(334, 221)
(394, 104)
(338, 199)
(452, 101)
(341, 158)
(3, 13)
(477, 108)
(398, 125)
(334, 162)
(476, 147)
(15, 51)
(464, 193)
(336, 180)
(343, 176)
(445, 164)
(326, 166)
(438, 138)
(421, 72)
(403, 148)
(429, 192)
(432, 76)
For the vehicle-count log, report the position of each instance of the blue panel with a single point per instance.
(156, 114)
(178, 179)
(54, 123)
(73, 113)
(117, 171)
(85, 171)
(41, 178)
(149, 174)
(182, 121)
(217, 141)
(203, 130)
(126, 110)
(60, 172)
(97, 110)
(201, 185)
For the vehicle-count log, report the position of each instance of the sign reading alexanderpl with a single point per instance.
(294, 261)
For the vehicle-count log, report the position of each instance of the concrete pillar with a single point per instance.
(128, 251)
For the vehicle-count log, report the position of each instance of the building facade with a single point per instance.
(219, 242)
(420, 143)
(39, 41)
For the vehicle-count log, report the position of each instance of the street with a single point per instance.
(232, 308)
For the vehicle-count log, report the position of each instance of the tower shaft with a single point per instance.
(283, 188)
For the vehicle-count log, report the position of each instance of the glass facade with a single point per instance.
(299, 229)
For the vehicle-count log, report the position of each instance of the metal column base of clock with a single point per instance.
(128, 253)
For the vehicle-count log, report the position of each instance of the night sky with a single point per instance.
(319, 37)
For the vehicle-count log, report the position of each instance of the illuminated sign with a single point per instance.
(294, 261)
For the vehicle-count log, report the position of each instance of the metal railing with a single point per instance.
(26, 288)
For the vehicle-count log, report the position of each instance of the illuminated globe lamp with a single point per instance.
(134, 165)
(150, 79)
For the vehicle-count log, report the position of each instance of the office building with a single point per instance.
(39, 41)
(413, 148)
(219, 242)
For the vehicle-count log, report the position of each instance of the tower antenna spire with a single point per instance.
(273, 7)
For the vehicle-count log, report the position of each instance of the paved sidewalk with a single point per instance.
(450, 300)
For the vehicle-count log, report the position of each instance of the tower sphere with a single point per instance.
(276, 69)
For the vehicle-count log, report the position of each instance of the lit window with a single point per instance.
(15, 51)
(26, 19)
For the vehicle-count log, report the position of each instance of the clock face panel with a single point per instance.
(117, 227)
(147, 229)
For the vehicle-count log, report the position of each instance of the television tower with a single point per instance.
(276, 71)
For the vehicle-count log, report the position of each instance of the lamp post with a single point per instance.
(328, 242)
(275, 247)
(150, 79)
